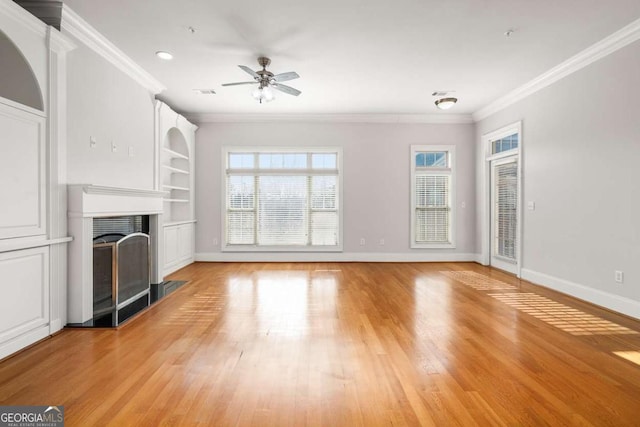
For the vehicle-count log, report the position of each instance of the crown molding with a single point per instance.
(48, 11)
(73, 24)
(23, 17)
(59, 42)
(606, 46)
(331, 118)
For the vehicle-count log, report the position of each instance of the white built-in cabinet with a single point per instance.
(33, 223)
(175, 140)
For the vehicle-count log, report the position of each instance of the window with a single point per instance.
(432, 184)
(504, 144)
(278, 199)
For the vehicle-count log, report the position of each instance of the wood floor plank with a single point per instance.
(342, 344)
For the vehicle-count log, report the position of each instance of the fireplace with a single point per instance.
(113, 258)
(121, 267)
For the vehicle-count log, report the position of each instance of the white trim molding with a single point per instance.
(334, 257)
(331, 118)
(607, 300)
(23, 17)
(604, 47)
(83, 31)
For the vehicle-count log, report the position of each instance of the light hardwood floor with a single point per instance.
(333, 344)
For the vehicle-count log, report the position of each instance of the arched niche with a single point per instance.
(175, 141)
(18, 82)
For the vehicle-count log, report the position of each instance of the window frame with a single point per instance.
(226, 247)
(449, 171)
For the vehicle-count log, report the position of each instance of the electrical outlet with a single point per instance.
(382, 242)
(619, 276)
(132, 151)
(215, 241)
(531, 206)
(92, 142)
(463, 205)
(362, 241)
(114, 147)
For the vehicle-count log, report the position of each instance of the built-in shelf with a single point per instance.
(175, 187)
(174, 223)
(175, 154)
(177, 200)
(175, 170)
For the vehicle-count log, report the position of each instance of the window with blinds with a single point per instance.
(282, 200)
(506, 209)
(432, 184)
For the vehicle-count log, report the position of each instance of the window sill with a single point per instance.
(433, 246)
(251, 248)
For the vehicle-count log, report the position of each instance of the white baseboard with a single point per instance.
(613, 302)
(334, 257)
(54, 326)
(22, 341)
(177, 266)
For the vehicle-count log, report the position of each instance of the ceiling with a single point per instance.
(353, 56)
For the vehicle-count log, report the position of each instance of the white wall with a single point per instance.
(105, 103)
(376, 174)
(581, 167)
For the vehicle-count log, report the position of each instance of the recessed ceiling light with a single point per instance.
(164, 55)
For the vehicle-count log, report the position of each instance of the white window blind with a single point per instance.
(432, 209)
(276, 199)
(506, 205)
(432, 183)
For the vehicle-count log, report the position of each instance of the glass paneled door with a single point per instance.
(504, 214)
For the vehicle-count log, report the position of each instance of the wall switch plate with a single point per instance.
(114, 147)
(215, 241)
(463, 205)
(132, 151)
(531, 206)
(381, 242)
(93, 142)
(619, 276)
(362, 241)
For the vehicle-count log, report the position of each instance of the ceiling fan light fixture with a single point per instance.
(263, 94)
(446, 103)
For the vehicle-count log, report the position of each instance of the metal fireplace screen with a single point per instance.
(132, 263)
(121, 273)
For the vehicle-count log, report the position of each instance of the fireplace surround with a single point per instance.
(89, 203)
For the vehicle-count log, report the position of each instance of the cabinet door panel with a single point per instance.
(22, 173)
(170, 245)
(24, 305)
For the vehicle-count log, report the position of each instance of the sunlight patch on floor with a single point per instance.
(632, 356)
(478, 281)
(568, 319)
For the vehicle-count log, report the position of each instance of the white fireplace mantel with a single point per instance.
(98, 201)
(86, 202)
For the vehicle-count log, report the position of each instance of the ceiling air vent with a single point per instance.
(441, 92)
(205, 91)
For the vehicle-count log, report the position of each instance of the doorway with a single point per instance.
(504, 214)
(503, 188)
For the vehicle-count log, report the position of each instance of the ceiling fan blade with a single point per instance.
(286, 89)
(283, 77)
(239, 83)
(250, 71)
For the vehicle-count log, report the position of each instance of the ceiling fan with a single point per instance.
(266, 81)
